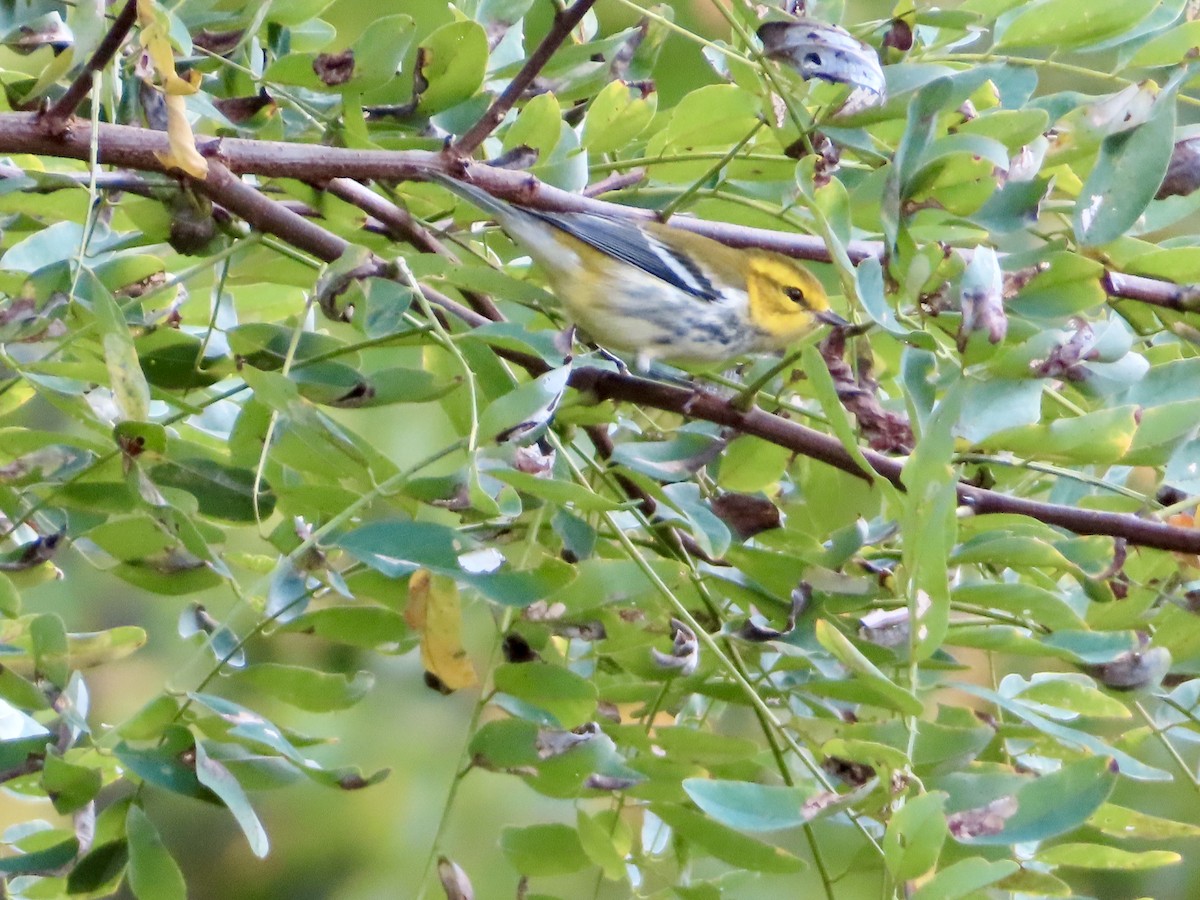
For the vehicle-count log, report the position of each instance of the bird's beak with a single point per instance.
(829, 317)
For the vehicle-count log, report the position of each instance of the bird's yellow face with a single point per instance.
(786, 299)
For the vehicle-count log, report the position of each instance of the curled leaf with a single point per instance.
(1183, 171)
(819, 50)
(34, 553)
(1134, 670)
(982, 295)
(454, 880)
(598, 782)
(753, 631)
(553, 742)
(685, 651)
(182, 154)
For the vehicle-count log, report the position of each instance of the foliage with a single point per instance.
(732, 666)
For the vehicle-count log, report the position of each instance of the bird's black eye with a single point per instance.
(796, 296)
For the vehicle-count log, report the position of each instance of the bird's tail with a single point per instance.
(477, 196)
(525, 225)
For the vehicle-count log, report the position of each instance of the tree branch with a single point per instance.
(223, 187)
(564, 23)
(56, 116)
(828, 449)
(135, 148)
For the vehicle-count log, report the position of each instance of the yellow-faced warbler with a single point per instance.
(661, 292)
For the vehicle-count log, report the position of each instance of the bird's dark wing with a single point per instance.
(637, 247)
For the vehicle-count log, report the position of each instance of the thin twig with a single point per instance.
(615, 181)
(564, 23)
(127, 182)
(402, 226)
(56, 116)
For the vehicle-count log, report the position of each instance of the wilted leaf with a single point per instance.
(433, 611)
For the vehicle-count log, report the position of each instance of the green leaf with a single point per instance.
(874, 754)
(568, 699)
(10, 598)
(750, 807)
(163, 765)
(69, 786)
(1074, 693)
(455, 60)
(305, 688)
(1101, 437)
(402, 385)
(1097, 856)
(1130, 766)
(538, 126)
(520, 589)
(523, 414)
(606, 839)
(48, 642)
(616, 116)
(252, 729)
(153, 874)
(914, 837)
(358, 626)
(929, 525)
(1056, 803)
(1127, 174)
(38, 860)
(688, 505)
(1065, 24)
(750, 464)
(132, 537)
(379, 52)
(674, 460)
(99, 870)
(397, 548)
(174, 360)
(965, 879)
(1170, 48)
(332, 383)
(997, 404)
(1121, 822)
(214, 776)
(544, 849)
(562, 493)
(726, 844)
(1070, 286)
(1048, 608)
(265, 345)
(225, 492)
(131, 392)
(705, 748)
(850, 657)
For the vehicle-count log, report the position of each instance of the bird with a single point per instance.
(660, 292)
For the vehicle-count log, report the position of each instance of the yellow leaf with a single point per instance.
(156, 41)
(433, 609)
(182, 153)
